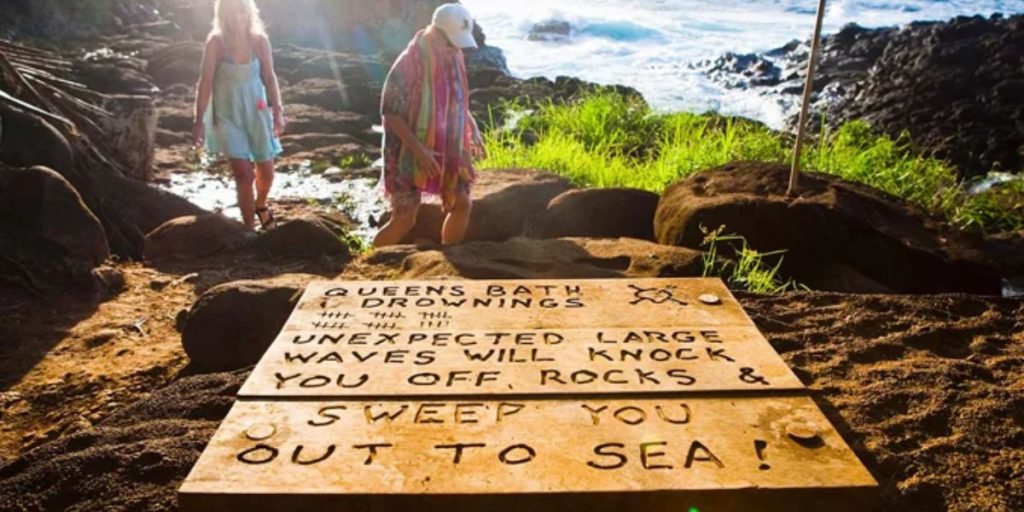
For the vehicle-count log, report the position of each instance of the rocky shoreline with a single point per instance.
(952, 86)
(108, 397)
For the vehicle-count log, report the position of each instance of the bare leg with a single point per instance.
(457, 221)
(264, 181)
(244, 178)
(395, 230)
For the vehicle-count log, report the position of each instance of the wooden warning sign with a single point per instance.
(539, 362)
(578, 394)
(466, 338)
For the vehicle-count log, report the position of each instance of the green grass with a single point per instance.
(609, 140)
(749, 269)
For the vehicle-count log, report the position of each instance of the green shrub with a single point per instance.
(609, 140)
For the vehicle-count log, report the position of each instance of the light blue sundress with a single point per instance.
(239, 121)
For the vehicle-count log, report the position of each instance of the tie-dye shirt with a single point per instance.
(427, 87)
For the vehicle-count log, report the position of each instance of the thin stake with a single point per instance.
(808, 88)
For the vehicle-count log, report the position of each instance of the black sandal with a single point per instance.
(269, 223)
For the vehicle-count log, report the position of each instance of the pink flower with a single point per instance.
(261, 105)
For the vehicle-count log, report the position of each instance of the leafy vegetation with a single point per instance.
(609, 140)
(749, 269)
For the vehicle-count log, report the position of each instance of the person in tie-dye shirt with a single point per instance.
(430, 137)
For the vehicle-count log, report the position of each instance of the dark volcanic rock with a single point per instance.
(839, 236)
(953, 86)
(564, 258)
(231, 325)
(742, 70)
(551, 31)
(49, 239)
(597, 213)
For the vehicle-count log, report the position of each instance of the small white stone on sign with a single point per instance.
(710, 299)
(802, 432)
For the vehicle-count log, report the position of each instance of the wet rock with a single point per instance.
(597, 213)
(839, 236)
(326, 146)
(50, 241)
(303, 238)
(194, 236)
(522, 258)
(503, 200)
(742, 70)
(551, 31)
(231, 325)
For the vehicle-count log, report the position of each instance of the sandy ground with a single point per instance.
(928, 391)
(67, 364)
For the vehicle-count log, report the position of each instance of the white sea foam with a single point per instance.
(648, 44)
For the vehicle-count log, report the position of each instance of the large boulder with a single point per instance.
(303, 238)
(597, 213)
(231, 325)
(49, 240)
(194, 236)
(503, 200)
(839, 236)
(27, 140)
(522, 258)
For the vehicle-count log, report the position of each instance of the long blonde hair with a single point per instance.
(221, 11)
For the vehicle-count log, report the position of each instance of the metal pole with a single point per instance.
(808, 88)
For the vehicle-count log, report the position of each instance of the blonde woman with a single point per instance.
(238, 110)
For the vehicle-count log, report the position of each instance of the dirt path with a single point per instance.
(69, 364)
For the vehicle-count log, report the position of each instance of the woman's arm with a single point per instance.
(204, 89)
(266, 56)
(424, 158)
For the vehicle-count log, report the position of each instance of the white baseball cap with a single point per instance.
(457, 24)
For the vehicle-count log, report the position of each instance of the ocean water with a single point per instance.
(650, 44)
